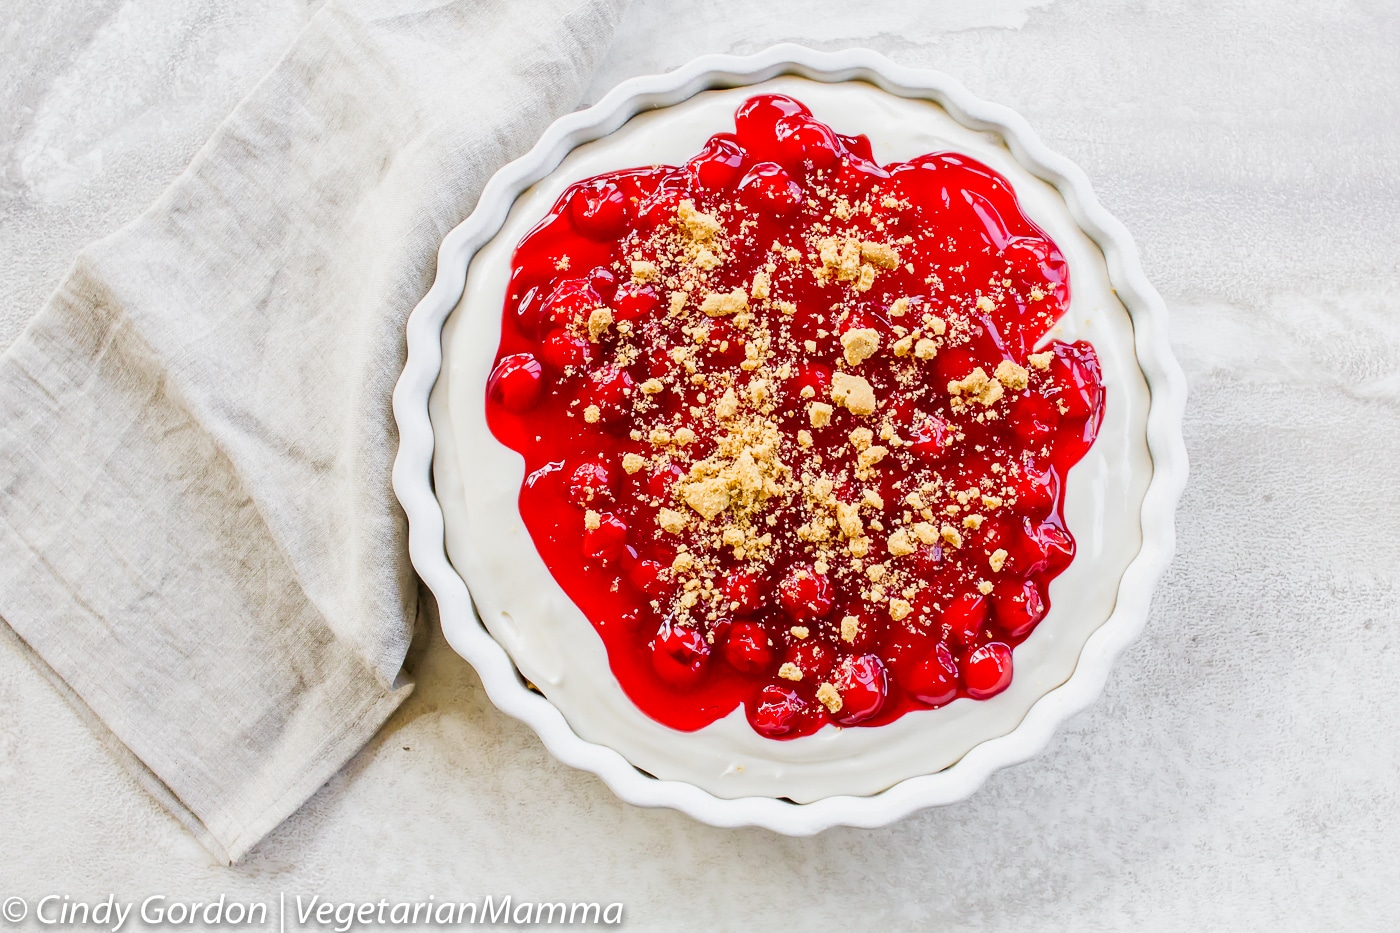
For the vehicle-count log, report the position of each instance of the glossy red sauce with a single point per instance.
(920, 602)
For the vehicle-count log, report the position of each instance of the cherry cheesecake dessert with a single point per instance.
(791, 440)
(795, 440)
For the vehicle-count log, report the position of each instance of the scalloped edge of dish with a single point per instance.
(412, 474)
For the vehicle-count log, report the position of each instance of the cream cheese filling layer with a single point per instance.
(555, 646)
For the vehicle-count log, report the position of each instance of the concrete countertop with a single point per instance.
(1239, 772)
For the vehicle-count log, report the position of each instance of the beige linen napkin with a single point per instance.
(198, 538)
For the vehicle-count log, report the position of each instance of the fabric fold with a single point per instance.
(198, 538)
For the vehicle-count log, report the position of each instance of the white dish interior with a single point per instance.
(551, 642)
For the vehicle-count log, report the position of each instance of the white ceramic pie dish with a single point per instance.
(986, 735)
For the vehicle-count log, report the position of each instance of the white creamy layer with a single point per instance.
(554, 645)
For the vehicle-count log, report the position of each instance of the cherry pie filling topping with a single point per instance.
(790, 442)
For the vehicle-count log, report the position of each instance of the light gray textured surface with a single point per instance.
(1240, 771)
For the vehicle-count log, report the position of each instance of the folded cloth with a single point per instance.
(198, 539)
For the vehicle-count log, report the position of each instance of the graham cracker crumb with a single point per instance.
(848, 520)
(871, 456)
(633, 462)
(697, 226)
(1041, 360)
(819, 413)
(850, 628)
(859, 344)
(854, 392)
(599, 320)
(790, 671)
(978, 386)
(591, 414)
(592, 520)
(886, 257)
(799, 632)
(830, 697)
(671, 521)
(761, 286)
(1012, 376)
(900, 609)
(719, 304)
(998, 560)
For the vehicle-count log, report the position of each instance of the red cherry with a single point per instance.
(756, 120)
(747, 649)
(935, 680)
(527, 311)
(925, 561)
(952, 364)
(813, 658)
(779, 711)
(867, 632)
(1036, 490)
(644, 573)
(965, 618)
(1017, 610)
(1076, 374)
(607, 540)
(601, 280)
(610, 389)
(659, 210)
(929, 437)
(803, 141)
(1033, 418)
(1057, 546)
(805, 594)
(744, 593)
(589, 484)
(724, 344)
(516, 382)
(599, 210)
(987, 671)
(659, 483)
(718, 165)
(660, 365)
(562, 350)
(679, 654)
(814, 376)
(863, 684)
(905, 649)
(768, 187)
(635, 302)
(571, 301)
(858, 146)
